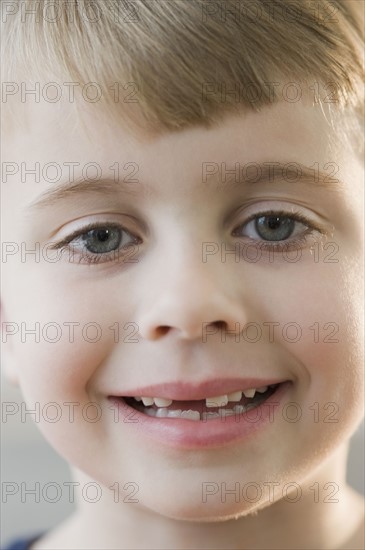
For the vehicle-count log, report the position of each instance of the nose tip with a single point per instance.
(186, 298)
(189, 316)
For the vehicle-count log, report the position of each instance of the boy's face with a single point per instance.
(170, 290)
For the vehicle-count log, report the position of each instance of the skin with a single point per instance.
(171, 287)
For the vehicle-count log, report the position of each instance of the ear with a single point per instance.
(8, 363)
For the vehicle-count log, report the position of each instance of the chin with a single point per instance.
(210, 512)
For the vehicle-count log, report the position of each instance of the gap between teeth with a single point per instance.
(218, 401)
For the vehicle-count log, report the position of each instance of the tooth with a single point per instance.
(150, 412)
(161, 413)
(235, 396)
(263, 389)
(160, 402)
(239, 409)
(208, 415)
(147, 401)
(220, 401)
(174, 414)
(138, 399)
(249, 393)
(190, 415)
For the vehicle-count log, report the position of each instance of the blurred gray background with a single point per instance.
(27, 457)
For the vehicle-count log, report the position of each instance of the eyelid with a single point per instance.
(120, 219)
(90, 227)
(296, 215)
(77, 233)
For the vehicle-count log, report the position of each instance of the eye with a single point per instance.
(279, 228)
(273, 228)
(98, 243)
(102, 240)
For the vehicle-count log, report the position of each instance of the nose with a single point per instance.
(192, 301)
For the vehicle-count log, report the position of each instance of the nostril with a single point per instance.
(221, 325)
(162, 330)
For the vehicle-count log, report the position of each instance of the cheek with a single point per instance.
(60, 333)
(62, 340)
(322, 309)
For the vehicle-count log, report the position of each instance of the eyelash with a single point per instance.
(296, 243)
(90, 257)
(293, 244)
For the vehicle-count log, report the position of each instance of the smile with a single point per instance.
(234, 403)
(197, 422)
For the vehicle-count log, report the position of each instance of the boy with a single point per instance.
(189, 175)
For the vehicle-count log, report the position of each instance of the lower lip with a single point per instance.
(189, 434)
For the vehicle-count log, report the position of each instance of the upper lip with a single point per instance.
(186, 391)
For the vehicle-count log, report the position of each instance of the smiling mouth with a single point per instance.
(232, 404)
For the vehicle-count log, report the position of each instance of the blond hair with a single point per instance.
(190, 59)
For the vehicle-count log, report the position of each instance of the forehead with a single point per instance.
(79, 132)
(80, 139)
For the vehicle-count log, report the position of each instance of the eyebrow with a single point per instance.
(273, 172)
(82, 187)
(263, 172)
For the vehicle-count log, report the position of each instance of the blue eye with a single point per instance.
(102, 240)
(275, 228)
(99, 243)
